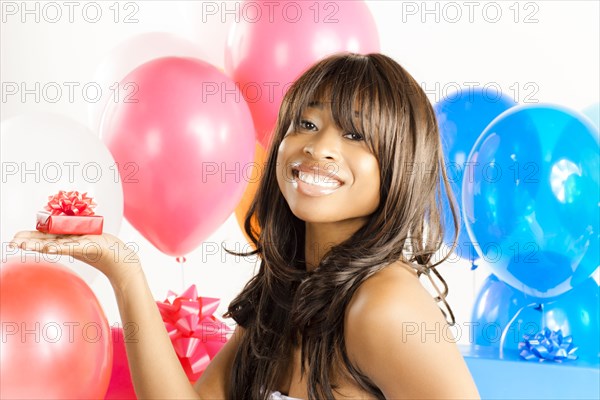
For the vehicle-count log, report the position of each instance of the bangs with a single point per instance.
(354, 90)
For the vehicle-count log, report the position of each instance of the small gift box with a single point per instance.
(69, 213)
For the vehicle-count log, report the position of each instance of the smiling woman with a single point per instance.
(342, 241)
(337, 310)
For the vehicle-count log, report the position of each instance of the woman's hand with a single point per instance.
(106, 252)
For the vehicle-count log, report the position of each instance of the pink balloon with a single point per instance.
(121, 386)
(55, 337)
(274, 42)
(183, 146)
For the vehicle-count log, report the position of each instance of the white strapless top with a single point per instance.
(276, 395)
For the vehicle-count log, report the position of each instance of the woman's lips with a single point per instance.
(320, 172)
(312, 182)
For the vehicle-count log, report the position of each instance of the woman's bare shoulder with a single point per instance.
(393, 320)
(395, 286)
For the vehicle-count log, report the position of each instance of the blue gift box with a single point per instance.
(512, 377)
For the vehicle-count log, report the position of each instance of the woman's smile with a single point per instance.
(314, 180)
(305, 185)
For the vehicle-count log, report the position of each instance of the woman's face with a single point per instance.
(325, 174)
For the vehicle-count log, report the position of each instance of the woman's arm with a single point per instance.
(214, 382)
(396, 335)
(155, 369)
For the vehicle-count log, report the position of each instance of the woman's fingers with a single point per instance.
(80, 248)
(46, 245)
(39, 235)
(25, 236)
(105, 252)
(45, 242)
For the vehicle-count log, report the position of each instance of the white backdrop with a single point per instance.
(534, 51)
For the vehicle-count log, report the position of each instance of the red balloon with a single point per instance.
(55, 337)
(121, 386)
(182, 141)
(274, 42)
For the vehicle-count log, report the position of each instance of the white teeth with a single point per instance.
(312, 179)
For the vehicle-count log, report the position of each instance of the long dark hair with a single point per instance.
(283, 305)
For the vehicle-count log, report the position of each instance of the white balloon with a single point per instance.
(124, 58)
(43, 153)
(207, 25)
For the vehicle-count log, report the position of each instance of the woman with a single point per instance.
(349, 216)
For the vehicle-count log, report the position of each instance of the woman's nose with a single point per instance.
(324, 144)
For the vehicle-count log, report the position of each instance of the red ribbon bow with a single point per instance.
(196, 334)
(70, 203)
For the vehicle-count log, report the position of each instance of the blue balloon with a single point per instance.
(530, 198)
(593, 113)
(462, 117)
(502, 315)
(577, 314)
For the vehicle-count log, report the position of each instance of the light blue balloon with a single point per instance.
(531, 199)
(593, 113)
(502, 315)
(512, 377)
(577, 314)
(462, 116)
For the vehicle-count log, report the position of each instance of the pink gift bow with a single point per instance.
(187, 318)
(70, 203)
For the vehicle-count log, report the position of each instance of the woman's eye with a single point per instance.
(355, 136)
(304, 124)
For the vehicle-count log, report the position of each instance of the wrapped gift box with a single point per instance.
(69, 225)
(513, 378)
(69, 213)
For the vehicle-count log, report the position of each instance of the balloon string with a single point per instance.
(473, 264)
(182, 277)
(506, 328)
(181, 261)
